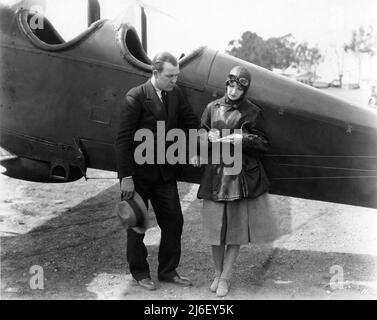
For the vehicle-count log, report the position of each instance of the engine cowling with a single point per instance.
(39, 171)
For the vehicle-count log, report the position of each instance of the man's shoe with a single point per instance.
(147, 283)
(178, 280)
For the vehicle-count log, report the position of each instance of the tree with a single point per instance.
(250, 47)
(276, 52)
(339, 53)
(307, 58)
(363, 42)
(281, 51)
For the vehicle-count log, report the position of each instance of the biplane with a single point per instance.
(60, 103)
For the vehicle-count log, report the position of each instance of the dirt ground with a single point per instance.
(70, 232)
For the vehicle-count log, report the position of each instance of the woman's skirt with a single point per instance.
(240, 222)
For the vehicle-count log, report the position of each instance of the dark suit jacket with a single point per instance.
(142, 109)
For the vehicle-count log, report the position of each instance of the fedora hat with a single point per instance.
(133, 213)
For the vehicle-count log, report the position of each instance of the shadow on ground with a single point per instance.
(83, 255)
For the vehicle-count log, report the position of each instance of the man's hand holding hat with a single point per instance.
(127, 188)
(133, 214)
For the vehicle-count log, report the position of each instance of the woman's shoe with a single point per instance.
(222, 288)
(214, 284)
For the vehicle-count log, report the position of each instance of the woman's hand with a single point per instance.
(234, 138)
(196, 161)
(214, 135)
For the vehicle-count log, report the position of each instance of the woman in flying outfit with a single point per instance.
(232, 201)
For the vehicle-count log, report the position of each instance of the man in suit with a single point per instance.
(159, 99)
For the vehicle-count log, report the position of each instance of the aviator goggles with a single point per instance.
(234, 84)
(240, 82)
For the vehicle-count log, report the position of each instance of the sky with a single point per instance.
(182, 26)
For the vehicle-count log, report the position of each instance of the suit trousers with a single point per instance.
(167, 208)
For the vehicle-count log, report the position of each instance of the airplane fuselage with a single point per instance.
(60, 107)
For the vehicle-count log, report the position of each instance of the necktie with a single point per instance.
(164, 96)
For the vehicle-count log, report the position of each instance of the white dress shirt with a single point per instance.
(158, 91)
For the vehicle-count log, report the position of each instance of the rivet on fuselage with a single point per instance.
(349, 128)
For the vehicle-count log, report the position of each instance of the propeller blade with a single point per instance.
(152, 8)
(144, 30)
(94, 11)
(128, 15)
